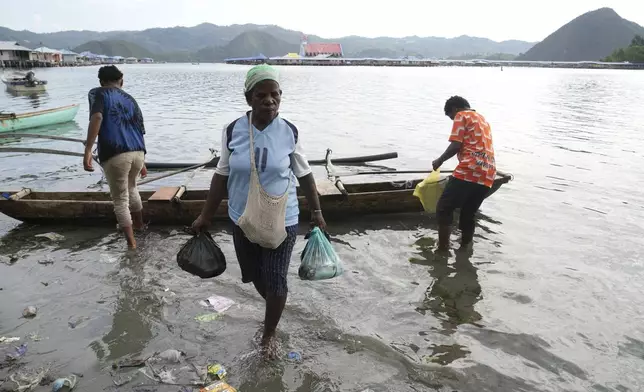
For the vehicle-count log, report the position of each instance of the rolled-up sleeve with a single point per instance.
(223, 167)
(299, 163)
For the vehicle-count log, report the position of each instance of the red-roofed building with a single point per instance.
(331, 50)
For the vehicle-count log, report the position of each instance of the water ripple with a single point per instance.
(550, 299)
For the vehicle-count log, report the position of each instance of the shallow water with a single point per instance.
(550, 299)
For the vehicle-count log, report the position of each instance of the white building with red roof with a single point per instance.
(319, 49)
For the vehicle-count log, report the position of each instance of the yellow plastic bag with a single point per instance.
(429, 191)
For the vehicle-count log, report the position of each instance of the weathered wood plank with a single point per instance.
(165, 193)
(326, 187)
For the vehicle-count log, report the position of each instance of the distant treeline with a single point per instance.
(634, 53)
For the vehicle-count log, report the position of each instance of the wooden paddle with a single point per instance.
(162, 165)
(213, 155)
(360, 173)
(330, 172)
(36, 136)
(173, 173)
(78, 154)
(41, 151)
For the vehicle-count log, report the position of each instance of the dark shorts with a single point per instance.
(267, 266)
(467, 196)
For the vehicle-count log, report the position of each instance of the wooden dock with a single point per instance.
(413, 62)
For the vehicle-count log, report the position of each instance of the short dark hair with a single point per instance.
(456, 102)
(109, 73)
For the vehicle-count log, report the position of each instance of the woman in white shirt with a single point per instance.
(279, 160)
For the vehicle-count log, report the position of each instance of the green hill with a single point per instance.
(634, 53)
(376, 53)
(247, 44)
(114, 48)
(589, 37)
(485, 56)
(179, 43)
(253, 42)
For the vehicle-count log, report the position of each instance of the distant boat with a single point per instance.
(16, 122)
(25, 83)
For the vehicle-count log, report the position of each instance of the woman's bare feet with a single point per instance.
(141, 228)
(137, 220)
(270, 348)
(129, 236)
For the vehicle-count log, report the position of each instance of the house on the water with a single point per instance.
(88, 57)
(69, 57)
(259, 59)
(131, 60)
(46, 55)
(13, 55)
(327, 50)
(320, 49)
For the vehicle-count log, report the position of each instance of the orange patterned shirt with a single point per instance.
(476, 158)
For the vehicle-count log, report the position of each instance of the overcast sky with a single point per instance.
(495, 19)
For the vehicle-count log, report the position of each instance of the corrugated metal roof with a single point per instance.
(44, 49)
(11, 45)
(67, 52)
(261, 56)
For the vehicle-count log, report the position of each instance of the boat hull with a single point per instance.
(26, 89)
(96, 207)
(20, 86)
(38, 119)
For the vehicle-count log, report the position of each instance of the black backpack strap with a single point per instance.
(293, 128)
(231, 127)
(229, 134)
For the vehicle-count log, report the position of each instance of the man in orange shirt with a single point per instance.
(471, 139)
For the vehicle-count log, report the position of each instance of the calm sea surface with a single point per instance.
(550, 299)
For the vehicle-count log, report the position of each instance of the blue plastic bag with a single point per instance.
(319, 260)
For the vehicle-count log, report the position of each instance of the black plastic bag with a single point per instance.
(202, 257)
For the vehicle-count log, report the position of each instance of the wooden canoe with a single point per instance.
(15, 122)
(21, 85)
(176, 205)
